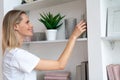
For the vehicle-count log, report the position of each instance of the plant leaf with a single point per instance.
(51, 21)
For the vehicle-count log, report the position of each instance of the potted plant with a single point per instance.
(51, 22)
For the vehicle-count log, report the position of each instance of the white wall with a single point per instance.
(1, 16)
(10, 4)
(5, 6)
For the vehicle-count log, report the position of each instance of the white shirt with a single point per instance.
(19, 64)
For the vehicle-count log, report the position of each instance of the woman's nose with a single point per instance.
(31, 25)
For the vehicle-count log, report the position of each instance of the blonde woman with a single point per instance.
(19, 64)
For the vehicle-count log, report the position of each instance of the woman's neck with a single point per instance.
(20, 39)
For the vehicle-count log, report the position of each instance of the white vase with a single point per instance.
(51, 34)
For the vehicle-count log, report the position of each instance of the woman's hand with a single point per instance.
(79, 29)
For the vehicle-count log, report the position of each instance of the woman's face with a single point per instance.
(24, 28)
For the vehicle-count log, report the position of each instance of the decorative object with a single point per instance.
(51, 34)
(38, 36)
(51, 22)
(27, 1)
(70, 23)
(113, 25)
(23, 2)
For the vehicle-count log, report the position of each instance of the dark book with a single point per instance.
(87, 69)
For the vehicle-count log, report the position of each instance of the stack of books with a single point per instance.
(113, 71)
(57, 75)
(82, 71)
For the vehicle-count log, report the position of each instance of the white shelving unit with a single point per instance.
(41, 4)
(112, 38)
(80, 53)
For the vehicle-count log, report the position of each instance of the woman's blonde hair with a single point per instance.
(9, 38)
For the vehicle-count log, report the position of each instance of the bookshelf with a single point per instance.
(71, 8)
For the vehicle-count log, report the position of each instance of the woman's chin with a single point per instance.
(30, 35)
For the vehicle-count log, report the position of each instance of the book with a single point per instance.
(59, 75)
(110, 72)
(116, 71)
(87, 69)
(56, 78)
(113, 71)
(78, 72)
(82, 71)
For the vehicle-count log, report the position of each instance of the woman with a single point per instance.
(19, 64)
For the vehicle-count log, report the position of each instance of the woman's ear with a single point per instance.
(16, 27)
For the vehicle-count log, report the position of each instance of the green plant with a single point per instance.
(51, 21)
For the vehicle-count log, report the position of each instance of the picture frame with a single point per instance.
(113, 22)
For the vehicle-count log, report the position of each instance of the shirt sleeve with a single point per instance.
(26, 61)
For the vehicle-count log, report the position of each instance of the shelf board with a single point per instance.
(112, 38)
(56, 41)
(41, 4)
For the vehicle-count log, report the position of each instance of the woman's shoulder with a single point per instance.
(19, 52)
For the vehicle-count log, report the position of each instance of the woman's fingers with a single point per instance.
(82, 22)
(81, 27)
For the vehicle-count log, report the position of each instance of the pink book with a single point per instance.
(63, 73)
(116, 71)
(110, 72)
(55, 78)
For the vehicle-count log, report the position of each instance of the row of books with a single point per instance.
(59, 75)
(82, 71)
(113, 71)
